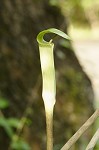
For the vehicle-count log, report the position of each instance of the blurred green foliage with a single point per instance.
(3, 103)
(10, 125)
(20, 145)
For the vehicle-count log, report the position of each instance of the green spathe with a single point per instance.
(47, 65)
(48, 76)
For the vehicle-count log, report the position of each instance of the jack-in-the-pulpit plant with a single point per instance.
(48, 76)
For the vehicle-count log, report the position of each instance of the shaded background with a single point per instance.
(20, 74)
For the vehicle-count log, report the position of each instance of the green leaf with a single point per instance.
(13, 122)
(20, 145)
(4, 123)
(40, 36)
(3, 103)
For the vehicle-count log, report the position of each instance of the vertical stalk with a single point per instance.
(49, 128)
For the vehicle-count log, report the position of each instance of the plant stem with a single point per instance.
(49, 128)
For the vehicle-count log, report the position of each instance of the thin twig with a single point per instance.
(93, 141)
(83, 128)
